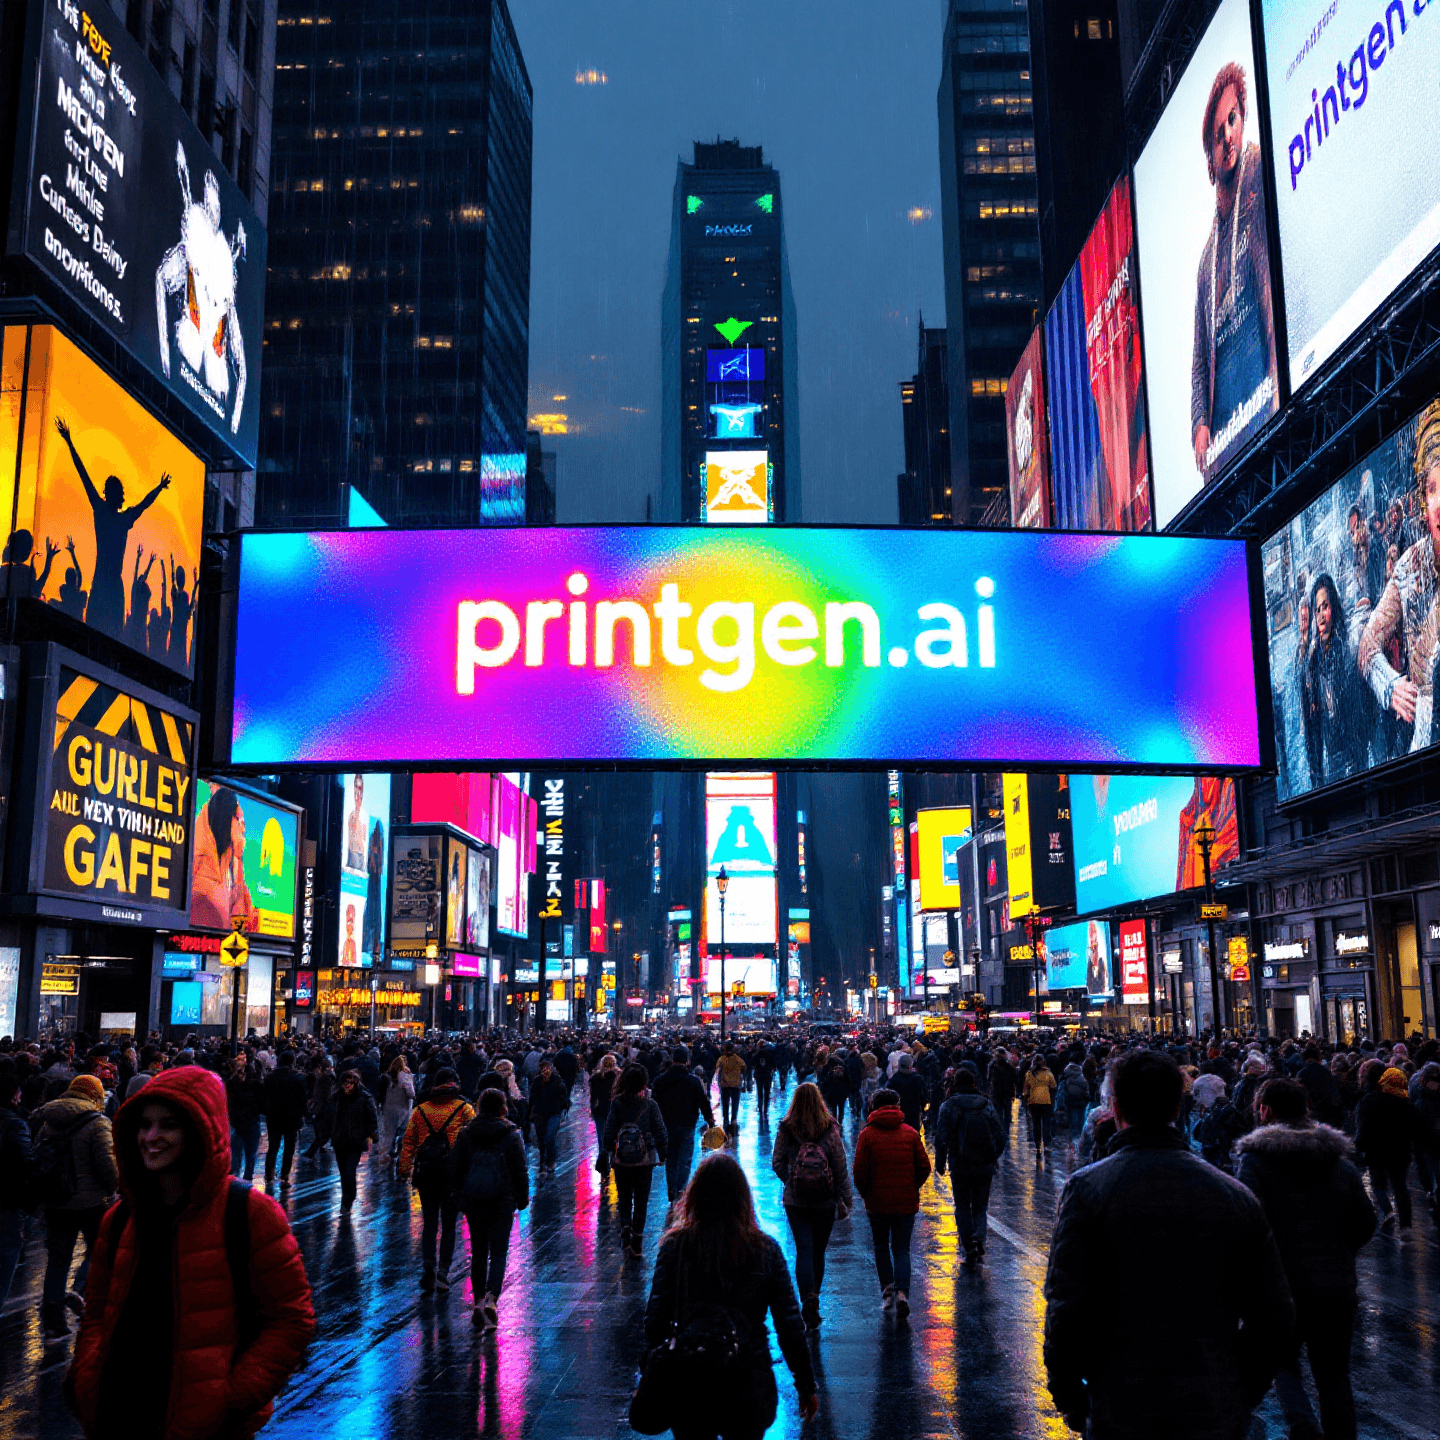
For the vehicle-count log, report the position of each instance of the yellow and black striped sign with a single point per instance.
(110, 711)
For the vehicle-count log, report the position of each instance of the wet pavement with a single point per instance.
(391, 1361)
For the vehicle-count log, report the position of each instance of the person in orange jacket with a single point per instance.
(425, 1159)
(890, 1166)
(161, 1357)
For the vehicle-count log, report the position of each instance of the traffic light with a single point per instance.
(874, 982)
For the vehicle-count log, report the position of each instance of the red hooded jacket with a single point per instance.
(891, 1164)
(211, 1387)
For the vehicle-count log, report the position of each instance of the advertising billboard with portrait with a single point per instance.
(415, 898)
(1353, 121)
(127, 212)
(737, 487)
(480, 868)
(364, 869)
(1134, 969)
(1134, 835)
(941, 833)
(245, 861)
(1078, 957)
(1350, 589)
(108, 517)
(725, 644)
(456, 889)
(1099, 448)
(1027, 439)
(1208, 320)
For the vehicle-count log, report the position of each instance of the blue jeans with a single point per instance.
(62, 1229)
(12, 1241)
(891, 1235)
(811, 1226)
(678, 1161)
(244, 1145)
(547, 1133)
(1075, 1115)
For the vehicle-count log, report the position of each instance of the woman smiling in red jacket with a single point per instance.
(160, 1353)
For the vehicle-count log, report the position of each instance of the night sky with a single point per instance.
(841, 95)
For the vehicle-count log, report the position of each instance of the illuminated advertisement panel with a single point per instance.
(1028, 439)
(740, 421)
(734, 367)
(1038, 843)
(1209, 327)
(363, 868)
(737, 487)
(1134, 976)
(1078, 957)
(1352, 114)
(244, 861)
(711, 645)
(107, 521)
(756, 972)
(1099, 452)
(740, 837)
(1134, 835)
(1350, 586)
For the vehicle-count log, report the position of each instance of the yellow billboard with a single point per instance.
(942, 833)
(105, 524)
(1018, 858)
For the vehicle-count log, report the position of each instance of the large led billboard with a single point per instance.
(1038, 844)
(1353, 122)
(106, 524)
(706, 644)
(737, 487)
(1350, 593)
(364, 870)
(757, 973)
(1099, 449)
(1027, 439)
(740, 838)
(1134, 835)
(942, 833)
(734, 367)
(244, 861)
(1078, 957)
(126, 210)
(1207, 317)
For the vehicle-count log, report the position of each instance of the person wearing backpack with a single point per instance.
(15, 1191)
(426, 1160)
(1075, 1092)
(717, 1276)
(198, 1308)
(635, 1139)
(683, 1099)
(891, 1165)
(354, 1125)
(491, 1180)
(73, 1170)
(809, 1156)
(970, 1139)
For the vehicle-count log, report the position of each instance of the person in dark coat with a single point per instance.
(1114, 1366)
(1321, 1216)
(354, 1125)
(1321, 1087)
(282, 1094)
(549, 1100)
(683, 1099)
(1003, 1081)
(14, 1174)
(469, 1066)
(716, 1255)
(632, 1110)
(1384, 1136)
(566, 1065)
(970, 1139)
(912, 1091)
(491, 1182)
(244, 1097)
(835, 1087)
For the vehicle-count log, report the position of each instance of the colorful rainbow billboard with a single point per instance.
(659, 645)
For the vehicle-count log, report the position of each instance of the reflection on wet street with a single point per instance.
(391, 1361)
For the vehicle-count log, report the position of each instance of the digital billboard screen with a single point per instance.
(364, 870)
(737, 487)
(1350, 588)
(1078, 957)
(1134, 835)
(735, 367)
(1134, 970)
(1207, 317)
(757, 973)
(244, 867)
(106, 524)
(1099, 449)
(706, 644)
(1027, 439)
(941, 834)
(130, 216)
(740, 839)
(740, 421)
(1352, 114)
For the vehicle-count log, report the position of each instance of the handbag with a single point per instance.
(657, 1398)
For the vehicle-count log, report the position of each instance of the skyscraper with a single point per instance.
(925, 404)
(989, 214)
(397, 330)
(730, 443)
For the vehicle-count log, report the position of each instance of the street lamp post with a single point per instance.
(722, 884)
(1205, 839)
(1033, 927)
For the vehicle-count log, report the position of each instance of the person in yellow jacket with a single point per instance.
(435, 1124)
(731, 1070)
(1039, 1096)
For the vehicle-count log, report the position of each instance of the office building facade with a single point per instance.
(924, 487)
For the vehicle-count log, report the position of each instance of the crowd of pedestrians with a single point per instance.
(1272, 1159)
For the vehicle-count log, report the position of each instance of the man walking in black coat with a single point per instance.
(683, 1099)
(1321, 1216)
(1114, 1362)
(911, 1089)
(282, 1097)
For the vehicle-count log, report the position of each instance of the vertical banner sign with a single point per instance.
(1133, 972)
(552, 820)
(902, 890)
(599, 935)
(307, 917)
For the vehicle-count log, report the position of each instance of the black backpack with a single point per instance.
(811, 1182)
(432, 1160)
(975, 1146)
(487, 1181)
(632, 1145)
(52, 1162)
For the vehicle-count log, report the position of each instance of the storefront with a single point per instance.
(1289, 983)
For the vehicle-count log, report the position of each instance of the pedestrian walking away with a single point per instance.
(635, 1139)
(426, 1160)
(891, 1164)
(970, 1139)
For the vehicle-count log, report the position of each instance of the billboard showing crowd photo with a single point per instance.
(1207, 314)
(1350, 599)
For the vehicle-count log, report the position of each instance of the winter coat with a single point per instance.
(93, 1147)
(1323, 1091)
(1106, 1353)
(1072, 1079)
(682, 1099)
(1315, 1202)
(913, 1093)
(1002, 1082)
(244, 1099)
(443, 1109)
(14, 1159)
(891, 1164)
(732, 1071)
(397, 1092)
(602, 1086)
(638, 1110)
(213, 1390)
(1384, 1128)
(491, 1132)
(782, 1161)
(835, 1085)
(1039, 1087)
(959, 1116)
(548, 1097)
(283, 1097)
(354, 1120)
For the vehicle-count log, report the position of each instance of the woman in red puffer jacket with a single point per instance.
(159, 1354)
(891, 1165)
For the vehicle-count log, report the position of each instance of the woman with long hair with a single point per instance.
(809, 1156)
(716, 1264)
(397, 1099)
(602, 1089)
(635, 1140)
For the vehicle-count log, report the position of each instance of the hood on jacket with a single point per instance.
(199, 1096)
(64, 1110)
(491, 1127)
(1309, 1146)
(888, 1117)
(968, 1102)
(439, 1094)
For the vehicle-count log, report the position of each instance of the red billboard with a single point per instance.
(1134, 978)
(1027, 440)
